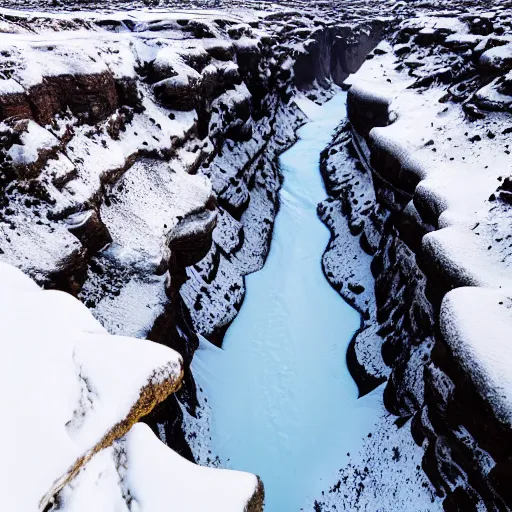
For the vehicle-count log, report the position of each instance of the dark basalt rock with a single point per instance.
(505, 190)
(91, 98)
(336, 52)
(177, 95)
(198, 29)
(367, 113)
(70, 273)
(221, 52)
(190, 248)
(215, 83)
(92, 232)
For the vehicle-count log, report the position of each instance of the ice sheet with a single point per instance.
(284, 404)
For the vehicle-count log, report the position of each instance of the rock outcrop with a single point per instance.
(68, 443)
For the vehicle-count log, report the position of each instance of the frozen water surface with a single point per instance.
(284, 404)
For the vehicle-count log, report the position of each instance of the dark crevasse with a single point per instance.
(284, 405)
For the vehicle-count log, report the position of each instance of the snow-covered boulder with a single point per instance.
(70, 392)
(475, 323)
(140, 473)
(70, 388)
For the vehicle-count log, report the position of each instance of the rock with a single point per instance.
(177, 93)
(92, 98)
(356, 288)
(90, 230)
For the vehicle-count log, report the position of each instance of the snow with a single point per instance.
(281, 377)
(139, 473)
(369, 94)
(490, 96)
(70, 58)
(169, 59)
(150, 198)
(150, 463)
(134, 310)
(385, 474)
(50, 244)
(56, 380)
(10, 86)
(450, 24)
(497, 58)
(66, 410)
(463, 260)
(475, 323)
(34, 139)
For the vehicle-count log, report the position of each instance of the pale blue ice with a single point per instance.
(284, 404)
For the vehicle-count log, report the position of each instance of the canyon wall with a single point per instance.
(426, 193)
(138, 170)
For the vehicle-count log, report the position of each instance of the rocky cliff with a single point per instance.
(139, 173)
(420, 177)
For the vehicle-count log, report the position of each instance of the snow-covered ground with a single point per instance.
(66, 443)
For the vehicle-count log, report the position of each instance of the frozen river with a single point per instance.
(284, 404)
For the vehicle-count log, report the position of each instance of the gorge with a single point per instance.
(282, 363)
(163, 165)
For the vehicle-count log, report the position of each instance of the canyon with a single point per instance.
(149, 192)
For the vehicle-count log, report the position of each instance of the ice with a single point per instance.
(284, 404)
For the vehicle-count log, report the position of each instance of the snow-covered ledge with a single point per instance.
(70, 392)
(445, 170)
(476, 322)
(438, 146)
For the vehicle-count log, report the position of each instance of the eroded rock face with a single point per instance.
(429, 128)
(140, 174)
(335, 52)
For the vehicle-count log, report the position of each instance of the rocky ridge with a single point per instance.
(87, 451)
(420, 177)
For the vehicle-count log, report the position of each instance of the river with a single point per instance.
(284, 405)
